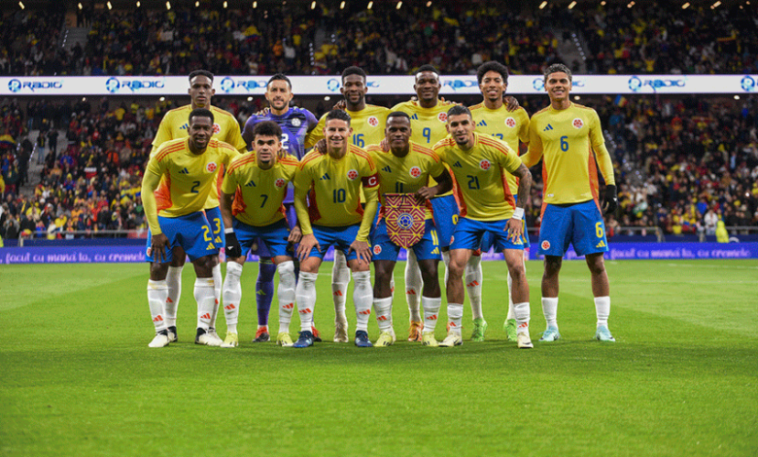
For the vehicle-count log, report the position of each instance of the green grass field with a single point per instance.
(78, 379)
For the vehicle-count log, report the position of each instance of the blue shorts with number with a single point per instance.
(217, 225)
(428, 247)
(261, 249)
(469, 234)
(192, 232)
(445, 213)
(272, 238)
(340, 237)
(488, 240)
(580, 224)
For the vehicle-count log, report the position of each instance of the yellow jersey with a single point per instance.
(368, 127)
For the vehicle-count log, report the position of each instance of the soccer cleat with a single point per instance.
(340, 331)
(550, 334)
(414, 332)
(262, 335)
(524, 342)
(452, 339)
(316, 334)
(205, 338)
(480, 326)
(172, 338)
(603, 334)
(231, 341)
(161, 340)
(284, 340)
(361, 339)
(305, 340)
(215, 339)
(386, 338)
(427, 339)
(510, 329)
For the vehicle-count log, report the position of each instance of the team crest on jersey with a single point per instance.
(485, 164)
(373, 121)
(545, 245)
(510, 122)
(415, 172)
(352, 175)
(279, 183)
(377, 250)
(216, 129)
(578, 123)
(211, 167)
(442, 117)
(296, 122)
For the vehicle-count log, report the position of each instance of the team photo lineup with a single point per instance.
(441, 180)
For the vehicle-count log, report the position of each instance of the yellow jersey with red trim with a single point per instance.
(368, 127)
(482, 191)
(258, 193)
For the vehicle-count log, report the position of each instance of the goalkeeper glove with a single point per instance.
(233, 248)
(611, 199)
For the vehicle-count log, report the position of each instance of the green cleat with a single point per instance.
(284, 340)
(603, 334)
(551, 334)
(480, 326)
(231, 341)
(427, 339)
(386, 338)
(510, 329)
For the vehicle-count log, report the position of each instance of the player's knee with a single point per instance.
(552, 265)
(596, 265)
(158, 271)
(456, 269)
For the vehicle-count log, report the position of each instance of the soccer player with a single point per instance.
(295, 124)
(259, 181)
(493, 118)
(561, 135)
(225, 128)
(368, 122)
(406, 169)
(479, 163)
(334, 216)
(190, 167)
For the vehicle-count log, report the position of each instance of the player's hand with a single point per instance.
(233, 248)
(295, 235)
(341, 105)
(385, 145)
(425, 193)
(158, 247)
(320, 146)
(515, 228)
(282, 153)
(263, 112)
(611, 199)
(511, 104)
(307, 243)
(445, 102)
(362, 249)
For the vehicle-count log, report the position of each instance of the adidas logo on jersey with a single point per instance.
(185, 126)
(184, 172)
(458, 164)
(549, 127)
(326, 176)
(250, 184)
(414, 117)
(481, 124)
(601, 244)
(387, 169)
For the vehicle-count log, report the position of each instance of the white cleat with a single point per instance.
(524, 342)
(452, 339)
(214, 338)
(160, 340)
(340, 330)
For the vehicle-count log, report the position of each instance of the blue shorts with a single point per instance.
(469, 234)
(272, 237)
(261, 249)
(581, 225)
(488, 240)
(192, 232)
(445, 213)
(428, 248)
(217, 224)
(340, 237)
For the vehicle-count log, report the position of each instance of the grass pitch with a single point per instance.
(78, 379)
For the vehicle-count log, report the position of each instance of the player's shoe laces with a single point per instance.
(361, 339)
(386, 338)
(262, 335)
(205, 338)
(216, 340)
(231, 341)
(172, 338)
(304, 341)
(414, 332)
(161, 340)
(316, 334)
(340, 330)
(524, 342)
(427, 339)
(603, 334)
(550, 334)
(452, 339)
(284, 340)
(510, 329)
(480, 326)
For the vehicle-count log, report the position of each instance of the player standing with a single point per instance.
(225, 128)
(259, 181)
(479, 163)
(334, 216)
(190, 167)
(562, 135)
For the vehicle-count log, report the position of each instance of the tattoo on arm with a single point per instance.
(525, 185)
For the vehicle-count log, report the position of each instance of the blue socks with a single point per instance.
(264, 289)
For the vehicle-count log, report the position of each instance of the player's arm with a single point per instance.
(534, 153)
(162, 135)
(371, 190)
(225, 200)
(151, 180)
(523, 133)
(315, 134)
(247, 133)
(234, 137)
(605, 164)
(308, 241)
(444, 185)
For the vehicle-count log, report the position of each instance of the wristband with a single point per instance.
(518, 214)
(228, 231)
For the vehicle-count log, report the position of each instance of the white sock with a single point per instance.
(383, 309)
(550, 310)
(413, 286)
(232, 295)
(205, 295)
(340, 281)
(286, 294)
(305, 294)
(157, 291)
(511, 313)
(474, 285)
(446, 260)
(603, 310)
(362, 298)
(217, 288)
(431, 312)
(454, 316)
(522, 313)
(174, 282)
